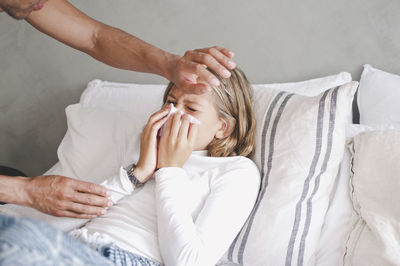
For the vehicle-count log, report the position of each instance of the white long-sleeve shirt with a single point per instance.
(182, 216)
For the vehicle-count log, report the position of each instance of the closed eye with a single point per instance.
(191, 109)
(169, 101)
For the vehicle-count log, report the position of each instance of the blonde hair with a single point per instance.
(233, 101)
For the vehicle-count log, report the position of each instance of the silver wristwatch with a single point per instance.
(129, 170)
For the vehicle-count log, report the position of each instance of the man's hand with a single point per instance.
(192, 67)
(63, 196)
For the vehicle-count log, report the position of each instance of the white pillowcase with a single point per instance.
(375, 184)
(97, 143)
(378, 97)
(299, 148)
(104, 132)
(338, 219)
(310, 87)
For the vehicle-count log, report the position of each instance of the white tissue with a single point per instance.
(172, 111)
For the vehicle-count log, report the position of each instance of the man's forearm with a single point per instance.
(122, 50)
(12, 189)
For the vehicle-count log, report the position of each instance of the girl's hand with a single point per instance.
(177, 142)
(148, 145)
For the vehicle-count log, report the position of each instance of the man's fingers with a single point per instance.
(86, 210)
(226, 52)
(195, 88)
(213, 59)
(202, 73)
(73, 215)
(223, 56)
(91, 200)
(90, 188)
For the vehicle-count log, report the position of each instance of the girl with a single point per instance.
(193, 186)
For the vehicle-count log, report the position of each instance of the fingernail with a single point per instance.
(231, 64)
(226, 73)
(215, 82)
(108, 193)
(110, 203)
(103, 211)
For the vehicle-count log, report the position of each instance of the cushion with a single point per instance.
(338, 219)
(375, 183)
(378, 96)
(299, 146)
(104, 131)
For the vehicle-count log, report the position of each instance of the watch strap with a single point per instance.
(132, 177)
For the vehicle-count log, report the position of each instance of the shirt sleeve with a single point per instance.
(202, 242)
(119, 185)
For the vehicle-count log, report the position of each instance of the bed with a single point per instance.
(318, 202)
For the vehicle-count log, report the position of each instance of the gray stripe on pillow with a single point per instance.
(332, 117)
(269, 166)
(318, 147)
(263, 134)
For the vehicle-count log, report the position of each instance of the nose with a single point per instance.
(179, 106)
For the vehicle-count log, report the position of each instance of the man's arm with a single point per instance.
(62, 21)
(11, 189)
(56, 195)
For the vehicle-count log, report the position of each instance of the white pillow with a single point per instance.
(310, 87)
(378, 97)
(104, 131)
(338, 220)
(299, 148)
(141, 97)
(375, 184)
(337, 225)
(97, 143)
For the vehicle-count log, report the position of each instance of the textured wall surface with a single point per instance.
(274, 41)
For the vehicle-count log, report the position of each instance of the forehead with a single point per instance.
(207, 98)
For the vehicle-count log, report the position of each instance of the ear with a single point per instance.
(226, 128)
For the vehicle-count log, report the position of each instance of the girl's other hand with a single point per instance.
(148, 145)
(177, 142)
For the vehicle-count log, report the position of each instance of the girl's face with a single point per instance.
(203, 108)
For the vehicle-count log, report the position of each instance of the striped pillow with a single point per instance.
(300, 143)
